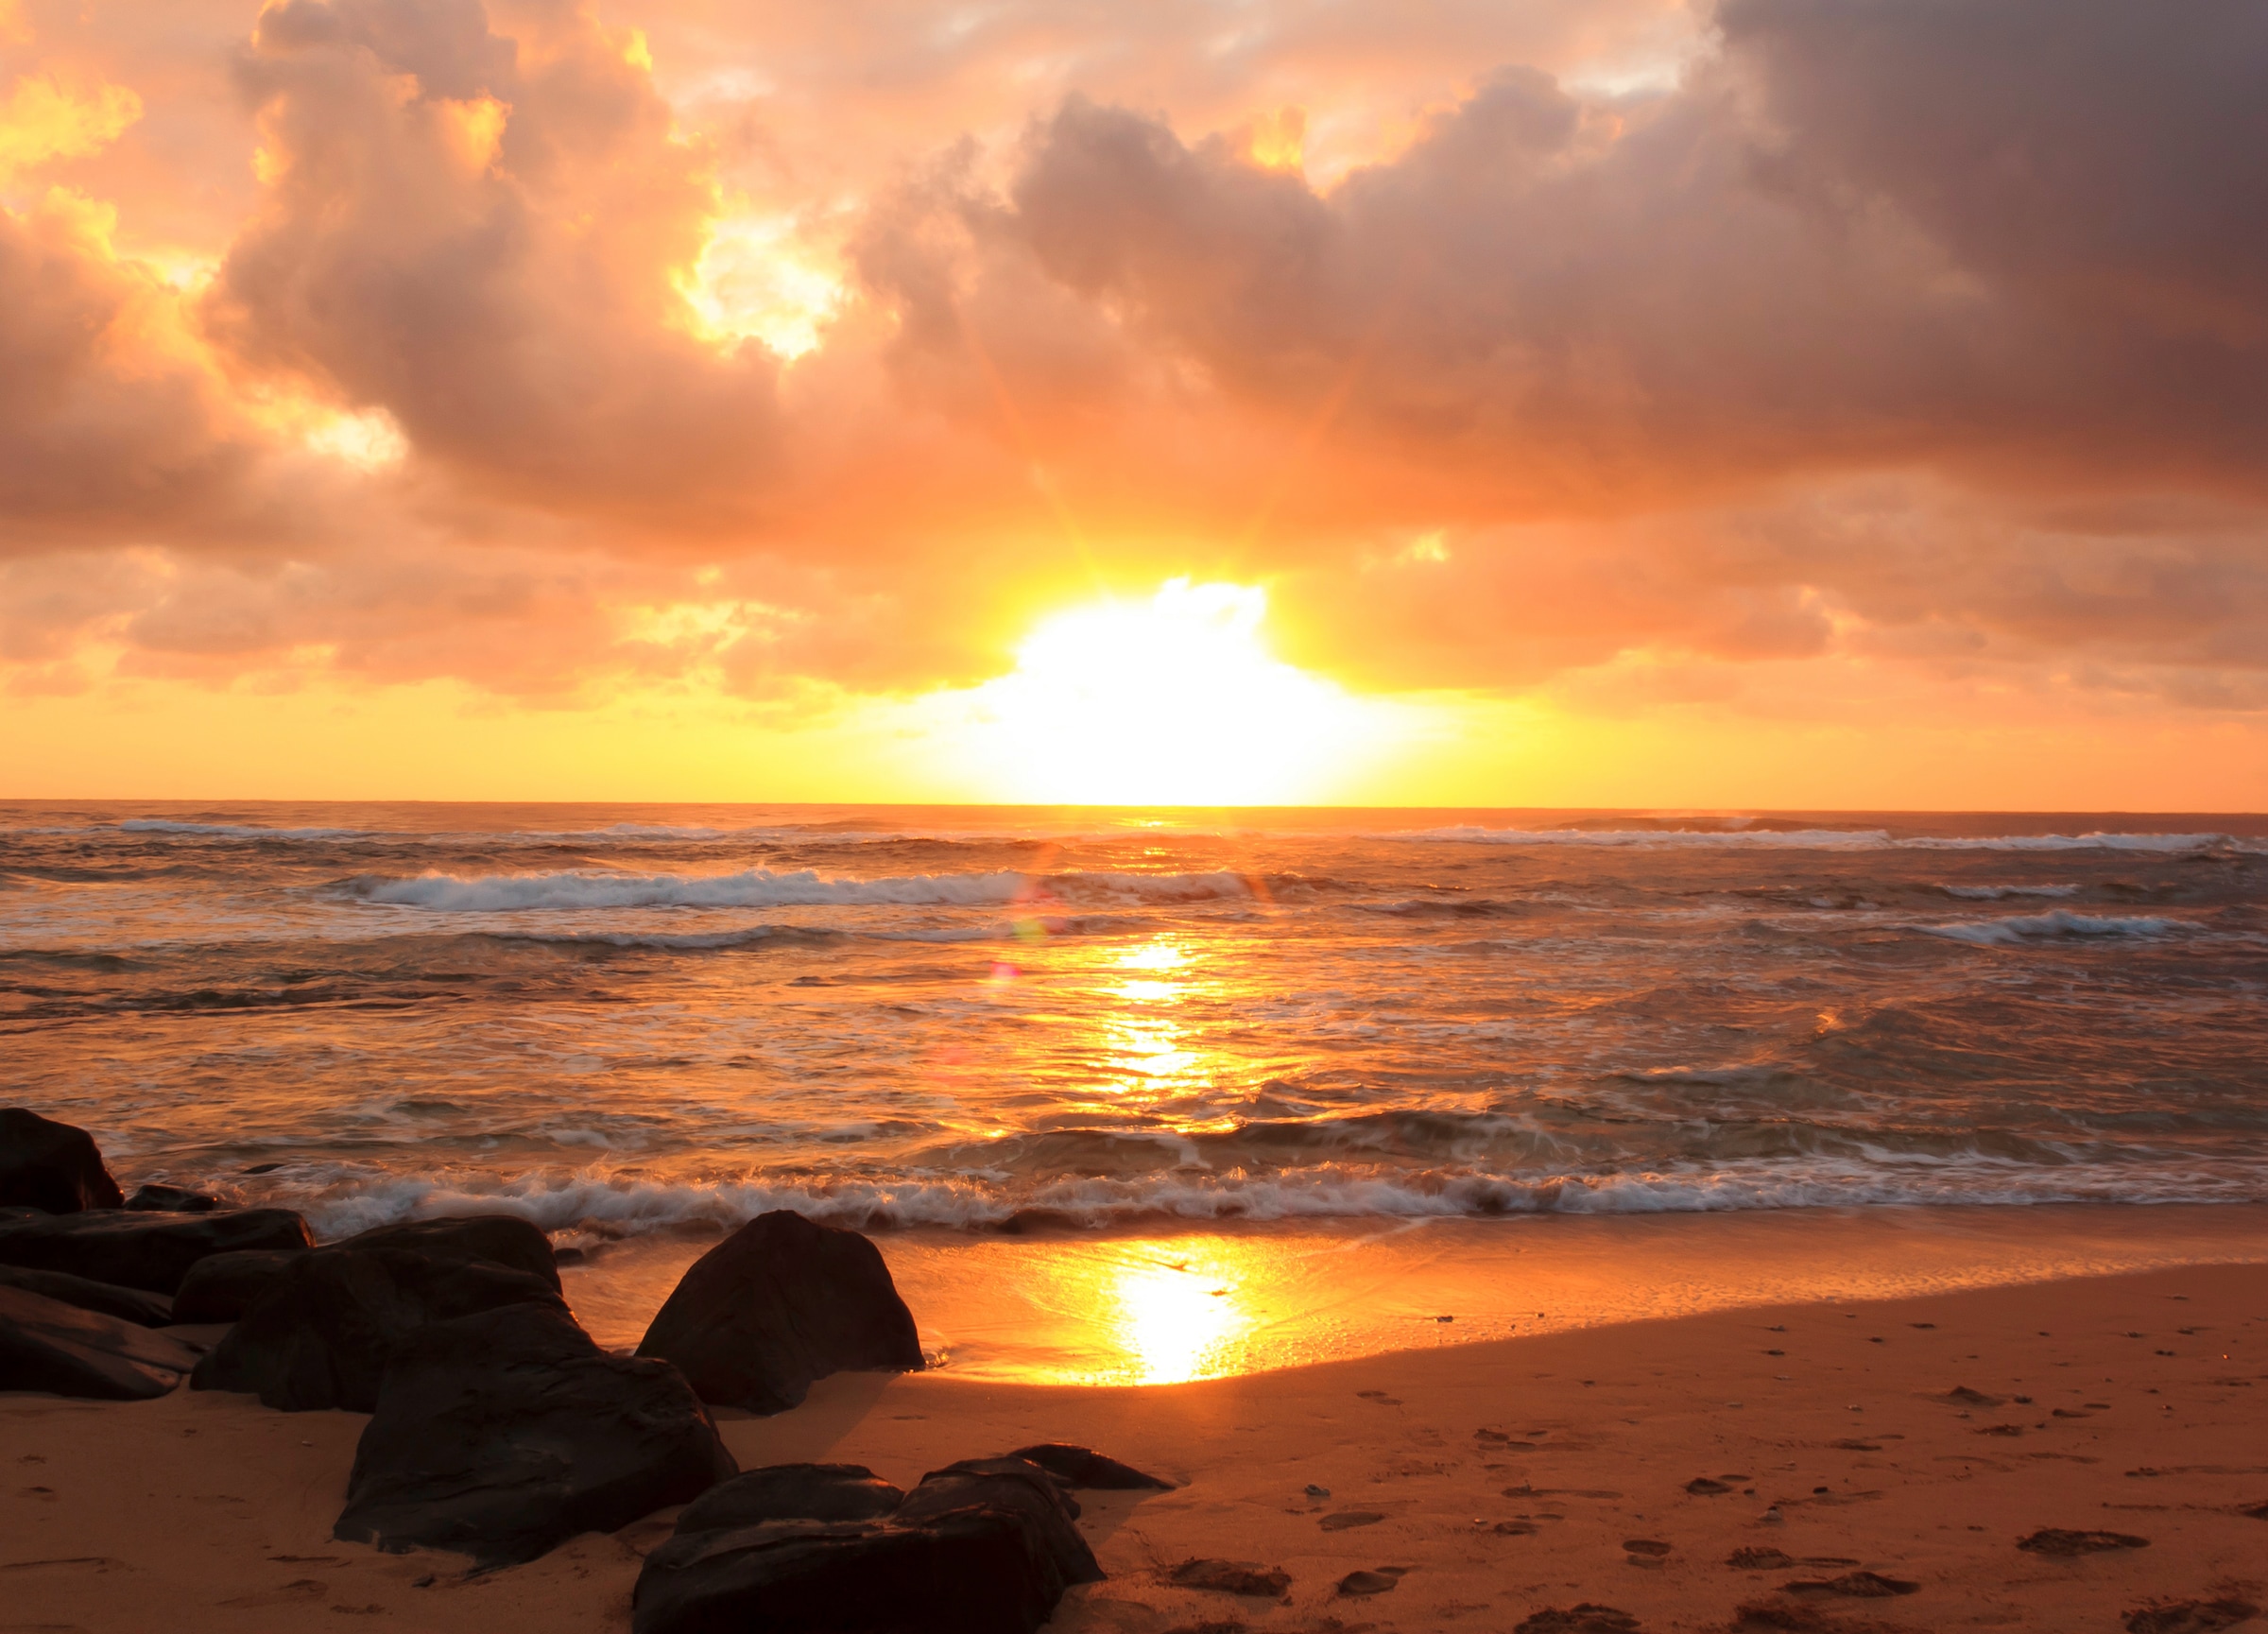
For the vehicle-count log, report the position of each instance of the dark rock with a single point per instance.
(1757, 1560)
(1366, 1583)
(2055, 1542)
(2190, 1616)
(149, 1252)
(1583, 1618)
(52, 1166)
(1853, 1585)
(1245, 1578)
(221, 1287)
(970, 1551)
(158, 1197)
(1702, 1487)
(792, 1492)
(324, 1333)
(127, 1304)
(46, 1344)
(503, 1239)
(1083, 1466)
(502, 1435)
(1345, 1520)
(777, 1304)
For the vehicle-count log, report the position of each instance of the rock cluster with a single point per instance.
(984, 1546)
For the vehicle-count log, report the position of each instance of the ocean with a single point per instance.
(618, 1021)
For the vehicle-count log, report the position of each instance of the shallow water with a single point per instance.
(617, 1021)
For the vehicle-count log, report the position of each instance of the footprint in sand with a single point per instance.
(2189, 1616)
(2063, 1545)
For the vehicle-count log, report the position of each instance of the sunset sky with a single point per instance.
(1783, 402)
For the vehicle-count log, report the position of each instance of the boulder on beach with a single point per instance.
(152, 1252)
(502, 1435)
(1085, 1467)
(782, 1303)
(127, 1304)
(501, 1239)
(51, 1166)
(46, 1344)
(325, 1329)
(158, 1197)
(792, 1492)
(969, 1551)
(221, 1287)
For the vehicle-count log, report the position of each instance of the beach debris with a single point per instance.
(1702, 1487)
(1315, 1491)
(221, 1287)
(1085, 1467)
(2061, 1544)
(503, 1434)
(2189, 1616)
(1245, 1578)
(1853, 1585)
(1997, 1430)
(792, 1492)
(1345, 1519)
(327, 1329)
(984, 1546)
(1356, 1583)
(1757, 1560)
(1850, 1446)
(1652, 1546)
(1514, 1528)
(778, 1304)
(152, 1252)
(144, 1310)
(1969, 1397)
(1772, 1517)
(51, 1166)
(1585, 1617)
(68, 1350)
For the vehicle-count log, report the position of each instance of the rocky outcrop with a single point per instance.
(985, 1547)
(46, 1344)
(106, 1299)
(501, 1435)
(51, 1166)
(1085, 1467)
(777, 1304)
(501, 1239)
(324, 1333)
(152, 1252)
(222, 1287)
(159, 1197)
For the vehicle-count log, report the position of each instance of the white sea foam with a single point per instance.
(2058, 922)
(763, 888)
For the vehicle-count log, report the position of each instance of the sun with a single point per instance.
(1174, 701)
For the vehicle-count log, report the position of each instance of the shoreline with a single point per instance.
(1498, 1478)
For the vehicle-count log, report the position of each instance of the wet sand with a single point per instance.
(1475, 1483)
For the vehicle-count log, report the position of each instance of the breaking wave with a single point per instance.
(763, 888)
(2056, 923)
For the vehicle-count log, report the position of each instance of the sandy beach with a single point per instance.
(1914, 1440)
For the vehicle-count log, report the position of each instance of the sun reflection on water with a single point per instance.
(1175, 1320)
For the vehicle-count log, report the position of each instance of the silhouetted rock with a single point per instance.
(1585, 1618)
(158, 1197)
(127, 1304)
(777, 1304)
(325, 1331)
(2063, 1544)
(502, 1239)
(792, 1492)
(501, 1435)
(46, 1344)
(51, 1166)
(969, 1551)
(1085, 1467)
(221, 1287)
(2190, 1616)
(138, 1251)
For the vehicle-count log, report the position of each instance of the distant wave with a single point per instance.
(1995, 893)
(762, 887)
(232, 830)
(1822, 839)
(2055, 923)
